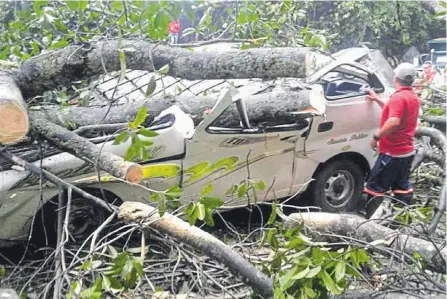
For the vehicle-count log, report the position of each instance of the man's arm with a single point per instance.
(373, 97)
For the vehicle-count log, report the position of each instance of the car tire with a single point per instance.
(85, 217)
(338, 187)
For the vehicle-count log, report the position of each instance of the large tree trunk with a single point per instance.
(14, 123)
(75, 62)
(355, 226)
(273, 107)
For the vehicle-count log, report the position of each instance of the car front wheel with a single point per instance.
(338, 186)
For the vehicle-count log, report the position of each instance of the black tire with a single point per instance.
(338, 186)
(85, 218)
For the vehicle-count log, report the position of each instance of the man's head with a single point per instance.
(404, 75)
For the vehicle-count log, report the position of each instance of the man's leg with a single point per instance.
(378, 183)
(402, 189)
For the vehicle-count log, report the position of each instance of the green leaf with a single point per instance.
(121, 138)
(340, 271)
(117, 5)
(242, 189)
(76, 5)
(58, 44)
(231, 190)
(309, 292)
(162, 207)
(155, 197)
(200, 210)
(37, 6)
(188, 31)
(174, 191)
(190, 212)
(330, 285)
(147, 133)
(207, 190)
(164, 70)
(132, 152)
(161, 171)
(258, 184)
(140, 117)
(301, 274)
(313, 272)
(2, 272)
(151, 86)
(211, 202)
(209, 217)
(272, 217)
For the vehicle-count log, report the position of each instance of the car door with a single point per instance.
(350, 119)
(225, 156)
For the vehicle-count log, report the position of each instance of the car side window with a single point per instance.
(229, 119)
(230, 122)
(340, 85)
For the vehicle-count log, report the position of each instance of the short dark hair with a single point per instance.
(404, 82)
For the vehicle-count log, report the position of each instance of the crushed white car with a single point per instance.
(329, 145)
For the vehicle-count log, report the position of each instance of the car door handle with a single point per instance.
(326, 126)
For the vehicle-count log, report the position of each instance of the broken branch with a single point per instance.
(197, 238)
(52, 178)
(346, 224)
(84, 149)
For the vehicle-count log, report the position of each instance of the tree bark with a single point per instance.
(14, 122)
(273, 107)
(436, 136)
(197, 238)
(84, 149)
(355, 226)
(75, 62)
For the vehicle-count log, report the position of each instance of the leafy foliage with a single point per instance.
(304, 269)
(122, 273)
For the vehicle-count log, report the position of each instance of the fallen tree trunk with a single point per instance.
(197, 238)
(84, 149)
(369, 231)
(14, 122)
(438, 121)
(75, 62)
(273, 107)
(436, 136)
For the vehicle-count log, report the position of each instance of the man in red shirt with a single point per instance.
(173, 30)
(395, 140)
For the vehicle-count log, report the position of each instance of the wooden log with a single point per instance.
(272, 107)
(437, 137)
(76, 62)
(355, 226)
(14, 124)
(84, 149)
(173, 226)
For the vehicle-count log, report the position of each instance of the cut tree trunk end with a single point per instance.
(14, 124)
(355, 226)
(197, 238)
(84, 149)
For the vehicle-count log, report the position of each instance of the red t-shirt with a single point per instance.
(174, 27)
(403, 104)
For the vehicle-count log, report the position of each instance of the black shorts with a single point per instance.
(390, 174)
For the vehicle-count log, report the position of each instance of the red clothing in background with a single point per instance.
(174, 27)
